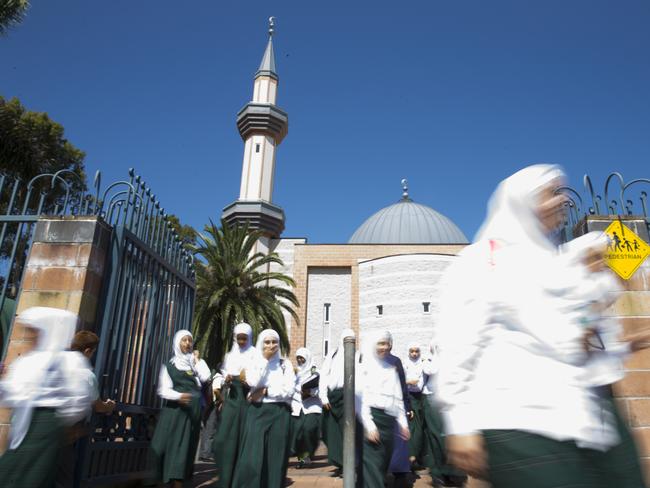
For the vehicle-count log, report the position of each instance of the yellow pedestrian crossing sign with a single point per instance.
(625, 250)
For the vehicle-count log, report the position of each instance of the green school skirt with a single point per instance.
(375, 458)
(306, 434)
(333, 427)
(416, 426)
(435, 457)
(520, 459)
(264, 453)
(34, 463)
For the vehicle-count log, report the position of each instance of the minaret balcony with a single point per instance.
(258, 215)
(262, 118)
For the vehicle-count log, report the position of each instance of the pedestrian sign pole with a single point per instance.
(626, 251)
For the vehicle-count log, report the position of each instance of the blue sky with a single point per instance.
(452, 95)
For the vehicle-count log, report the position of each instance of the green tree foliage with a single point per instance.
(186, 233)
(11, 13)
(233, 285)
(31, 144)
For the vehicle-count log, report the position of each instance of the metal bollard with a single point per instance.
(349, 425)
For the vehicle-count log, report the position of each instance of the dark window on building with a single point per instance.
(326, 312)
(257, 148)
(426, 306)
(380, 310)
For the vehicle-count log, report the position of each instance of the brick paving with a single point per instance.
(319, 474)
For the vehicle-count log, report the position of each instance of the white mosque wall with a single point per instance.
(400, 285)
(286, 251)
(327, 288)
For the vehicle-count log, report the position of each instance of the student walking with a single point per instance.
(511, 382)
(331, 395)
(47, 389)
(177, 433)
(266, 441)
(413, 368)
(306, 409)
(380, 406)
(235, 389)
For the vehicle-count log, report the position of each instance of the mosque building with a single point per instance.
(387, 276)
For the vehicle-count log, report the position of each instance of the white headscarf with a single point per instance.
(182, 361)
(512, 209)
(266, 334)
(239, 357)
(304, 369)
(370, 357)
(413, 368)
(30, 374)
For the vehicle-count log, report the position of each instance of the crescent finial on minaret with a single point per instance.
(271, 26)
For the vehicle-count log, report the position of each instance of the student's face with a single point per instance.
(300, 360)
(383, 348)
(270, 347)
(186, 344)
(414, 352)
(550, 206)
(242, 340)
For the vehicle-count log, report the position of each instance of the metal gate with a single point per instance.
(21, 205)
(148, 297)
(610, 203)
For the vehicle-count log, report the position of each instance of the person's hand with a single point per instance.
(405, 433)
(412, 382)
(327, 406)
(257, 395)
(467, 453)
(410, 414)
(638, 340)
(228, 378)
(109, 406)
(373, 436)
(185, 398)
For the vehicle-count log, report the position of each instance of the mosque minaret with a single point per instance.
(262, 126)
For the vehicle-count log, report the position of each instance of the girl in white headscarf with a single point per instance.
(413, 369)
(330, 390)
(177, 433)
(511, 377)
(47, 390)
(306, 408)
(227, 441)
(380, 405)
(264, 452)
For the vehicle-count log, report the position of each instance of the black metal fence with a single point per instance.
(147, 295)
(612, 202)
(21, 205)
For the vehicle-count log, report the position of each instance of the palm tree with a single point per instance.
(233, 285)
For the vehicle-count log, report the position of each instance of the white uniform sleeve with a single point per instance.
(166, 386)
(461, 336)
(217, 381)
(323, 380)
(80, 391)
(203, 371)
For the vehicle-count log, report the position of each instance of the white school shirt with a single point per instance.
(166, 385)
(499, 371)
(414, 371)
(388, 397)
(276, 376)
(331, 374)
(308, 405)
(429, 369)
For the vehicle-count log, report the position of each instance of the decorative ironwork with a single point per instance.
(148, 294)
(595, 204)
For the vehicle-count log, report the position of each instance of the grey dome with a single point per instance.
(407, 222)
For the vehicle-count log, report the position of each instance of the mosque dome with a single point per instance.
(407, 222)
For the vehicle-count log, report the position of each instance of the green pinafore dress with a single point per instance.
(177, 434)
